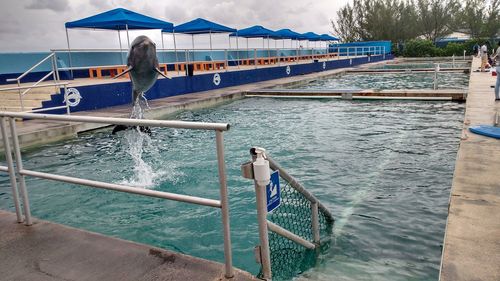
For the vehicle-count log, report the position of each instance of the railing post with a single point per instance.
(10, 165)
(68, 110)
(384, 52)
(464, 54)
(260, 196)
(436, 70)
(315, 222)
(20, 95)
(228, 256)
(255, 57)
(19, 167)
(56, 68)
(225, 58)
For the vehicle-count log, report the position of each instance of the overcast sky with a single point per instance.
(38, 25)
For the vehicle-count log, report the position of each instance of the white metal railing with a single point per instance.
(18, 172)
(249, 171)
(54, 72)
(244, 56)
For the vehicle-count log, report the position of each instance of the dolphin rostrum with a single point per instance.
(143, 67)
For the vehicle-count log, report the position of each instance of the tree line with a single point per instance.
(402, 20)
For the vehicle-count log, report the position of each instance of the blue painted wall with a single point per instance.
(363, 47)
(106, 95)
(14, 64)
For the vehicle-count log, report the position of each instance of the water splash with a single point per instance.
(149, 168)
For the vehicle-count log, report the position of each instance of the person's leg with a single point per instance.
(482, 64)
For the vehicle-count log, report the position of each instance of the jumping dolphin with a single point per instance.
(143, 67)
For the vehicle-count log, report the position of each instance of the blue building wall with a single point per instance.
(106, 95)
(14, 64)
(363, 47)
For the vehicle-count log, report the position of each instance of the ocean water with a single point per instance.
(384, 169)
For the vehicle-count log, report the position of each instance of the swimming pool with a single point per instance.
(384, 81)
(383, 168)
(405, 65)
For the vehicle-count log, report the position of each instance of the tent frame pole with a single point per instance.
(210, 37)
(128, 38)
(121, 50)
(69, 53)
(176, 57)
(163, 50)
(237, 50)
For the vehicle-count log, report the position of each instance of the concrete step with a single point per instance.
(29, 96)
(26, 102)
(15, 108)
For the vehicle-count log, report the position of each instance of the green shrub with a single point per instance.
(419, 48)
(451, 49)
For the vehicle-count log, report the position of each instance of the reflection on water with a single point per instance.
(384, 169)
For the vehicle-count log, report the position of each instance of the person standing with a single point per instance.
(496, 58)
(483, 54)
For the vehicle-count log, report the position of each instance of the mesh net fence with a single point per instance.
(288, 259)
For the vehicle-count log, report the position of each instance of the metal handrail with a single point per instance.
(37, 86)
(18, 173)
(31, 69)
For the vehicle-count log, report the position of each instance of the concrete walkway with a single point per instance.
(472, 240)
(48, 251)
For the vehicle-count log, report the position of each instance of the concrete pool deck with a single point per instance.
(472, 240)
(49, 251)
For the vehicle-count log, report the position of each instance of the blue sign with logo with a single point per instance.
(273, 192)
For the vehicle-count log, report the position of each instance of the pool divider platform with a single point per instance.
(410, 70)
(420, 94)
(49, 251)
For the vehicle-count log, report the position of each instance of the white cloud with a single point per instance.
(32, 25)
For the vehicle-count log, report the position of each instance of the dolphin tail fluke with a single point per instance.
(123, 73)
(161, 73)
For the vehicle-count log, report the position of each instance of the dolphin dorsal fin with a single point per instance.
(123, 73)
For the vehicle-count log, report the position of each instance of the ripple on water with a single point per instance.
(383, 168)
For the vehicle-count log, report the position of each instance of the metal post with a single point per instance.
(53, 70)
(20, 94)
(436, 69)
(19, 167)
(237, 51)
(69, 54)
(56, 69)
(120, 40)
(225, 57)
(68, 111)
(453, 64)
(128, 38)
(265, 255)
(315, 222)
(384, 52)
(10, 165)
(464, 55)
(176, 57)
(224, 204)
(211, 55)
(163, 49)
(255, 57)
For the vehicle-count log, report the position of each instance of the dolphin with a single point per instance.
(143, 68)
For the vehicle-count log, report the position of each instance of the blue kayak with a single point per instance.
(486, 130)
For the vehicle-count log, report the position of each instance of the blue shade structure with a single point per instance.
(288, 34)
(256, 31)
(326, 37)
(118, 19)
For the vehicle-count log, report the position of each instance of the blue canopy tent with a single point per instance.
(288, 34)
(310, 36)
(198, 26)
(326, 37)
(256, 31)
(118, 19)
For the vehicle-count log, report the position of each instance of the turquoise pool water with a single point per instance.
(421, 65)
(383, 168)
(385, 81)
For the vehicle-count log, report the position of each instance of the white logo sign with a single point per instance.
(72, 97)
(288, 70)
(324, 65)
(217, 79)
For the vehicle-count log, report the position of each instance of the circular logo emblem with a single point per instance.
(324, 65)
(72, 97)
(217, 79)
(288, 70)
